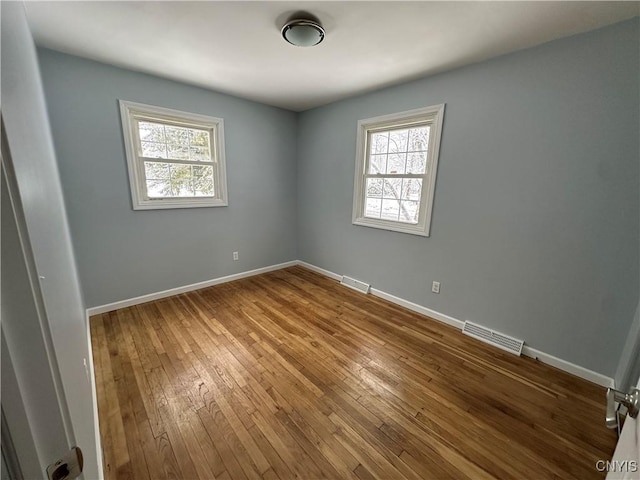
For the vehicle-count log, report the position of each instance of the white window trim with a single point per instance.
(136, 165)
(434, 115)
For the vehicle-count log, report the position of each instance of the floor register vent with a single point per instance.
(355, 284)
(494, 338)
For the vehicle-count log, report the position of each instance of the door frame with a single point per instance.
(21, 445)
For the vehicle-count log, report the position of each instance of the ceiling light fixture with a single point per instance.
(303, 32)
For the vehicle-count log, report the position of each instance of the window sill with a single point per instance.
(166, 204)
(412, 229)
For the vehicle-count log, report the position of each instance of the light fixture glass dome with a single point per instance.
(303, 33)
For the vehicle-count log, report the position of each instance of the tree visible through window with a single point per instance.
(395, 170)
(175, 158)
(397, 162)
(165, 178)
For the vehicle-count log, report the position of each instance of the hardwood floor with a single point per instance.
(290, 375)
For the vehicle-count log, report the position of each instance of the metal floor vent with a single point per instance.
(494, 338)
(355, 284)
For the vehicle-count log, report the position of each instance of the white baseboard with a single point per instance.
(569, 367)
(454, 322)
(321, 271)
(186, 288)
(543, 357)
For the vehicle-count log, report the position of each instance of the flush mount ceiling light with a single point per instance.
(303, 32)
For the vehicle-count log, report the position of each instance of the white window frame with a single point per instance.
(433, 116)
(129, 112)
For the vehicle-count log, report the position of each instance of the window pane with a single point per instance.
(181, 181)
(178, 152)
(378, 143)
(411, 189)
(200, 154)
(390, 209)
(182, 188)
(176, 136)
(156, 170)
(173, 180)
(202, 171)
(179, 172)
(199, 138)
(153, 150)
(377, 164)
(409, 211)
(177, 142)
(398, 141)
(419, 139)
(158, 188)
(151, 132)
(373, 208)
(417, 162)
(392, 188)
(374, 187)
(396, 162)
(203, 181)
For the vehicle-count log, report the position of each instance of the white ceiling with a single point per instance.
(236, 47)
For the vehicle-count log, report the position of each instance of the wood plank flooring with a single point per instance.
(290, 375)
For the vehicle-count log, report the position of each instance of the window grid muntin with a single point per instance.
(211, 130)
(167, 121)
(389, 128)
(192, 177)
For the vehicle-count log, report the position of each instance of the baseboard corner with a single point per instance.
(129, 302)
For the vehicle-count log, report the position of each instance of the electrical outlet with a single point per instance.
(435, 287)
(235, 255)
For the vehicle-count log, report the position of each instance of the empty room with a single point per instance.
(320, 240)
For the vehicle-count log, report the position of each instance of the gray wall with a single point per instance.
(123, 253)
(49, 255)
(535, 221)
